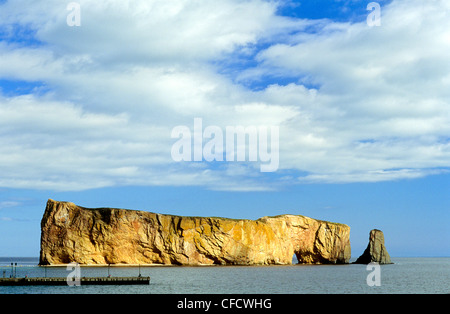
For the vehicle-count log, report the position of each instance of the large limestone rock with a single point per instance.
(375, 251)
(72, 233)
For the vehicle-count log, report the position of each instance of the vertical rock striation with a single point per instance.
(70, 233)
(375, 251)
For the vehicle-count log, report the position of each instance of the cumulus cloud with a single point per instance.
(358, 103)
(381, 110)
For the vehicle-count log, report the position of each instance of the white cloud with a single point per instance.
(365, 104)
(7, 204)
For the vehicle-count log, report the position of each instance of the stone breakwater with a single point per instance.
(70, 233)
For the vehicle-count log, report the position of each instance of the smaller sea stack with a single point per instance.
(375, 251)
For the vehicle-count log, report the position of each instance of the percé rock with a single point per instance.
(375, 251)
(71, 233)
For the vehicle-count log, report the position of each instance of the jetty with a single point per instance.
(62, 281)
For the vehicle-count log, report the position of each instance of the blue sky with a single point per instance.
(86, 113)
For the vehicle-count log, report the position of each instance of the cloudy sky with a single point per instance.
(86, 112)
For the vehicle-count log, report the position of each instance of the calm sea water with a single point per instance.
(406, 275)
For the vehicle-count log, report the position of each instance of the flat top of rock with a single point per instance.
(199, 217)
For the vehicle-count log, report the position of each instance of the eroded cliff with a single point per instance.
(376, 250)
(70, 233)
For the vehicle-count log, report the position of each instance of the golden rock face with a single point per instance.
(70, 233)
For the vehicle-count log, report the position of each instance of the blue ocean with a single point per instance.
(424, 275)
